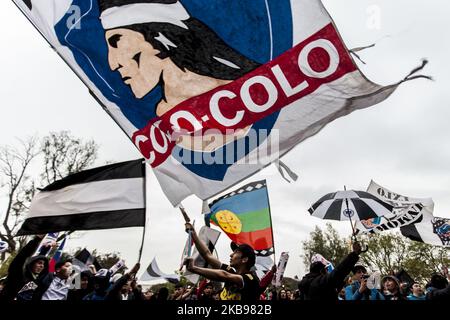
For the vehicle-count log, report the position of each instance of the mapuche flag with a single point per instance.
(244, 216)
(190, 81)
(107, 197)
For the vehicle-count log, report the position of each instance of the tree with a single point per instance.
(61, 154)
(14, 167)
(389, 252)
(65, 155)
(327, 243)
(107, 260)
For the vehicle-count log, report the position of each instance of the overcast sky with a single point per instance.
(401, 143)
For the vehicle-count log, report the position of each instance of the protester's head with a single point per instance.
(63, 268)
(148, 295)
(208, 290)
(163, 294)
(289, 294)
(86, 280)
(358, 272)
(37, 264)
(101, 282)
(341, 294)
(2, 284)
(282, 295)
(179, 290)
(242, 255)
(317, 267)
(417, 289)
(438, 281)
(391, 284)
(216, 295)
(126, 288)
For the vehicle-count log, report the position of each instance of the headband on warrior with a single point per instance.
(136, 12)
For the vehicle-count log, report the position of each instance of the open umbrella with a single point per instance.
(349, 205)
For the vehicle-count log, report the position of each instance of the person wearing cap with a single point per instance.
(391, 287)
(359, 289)
(55, 286)
(240, 282)
(320, 285)
(25, 273)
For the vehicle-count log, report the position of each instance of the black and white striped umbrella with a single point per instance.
(349, 205)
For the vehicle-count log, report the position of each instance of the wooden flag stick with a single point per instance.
(184, 213)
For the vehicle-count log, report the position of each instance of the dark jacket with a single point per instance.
(114, 292)
(325, 287)
(21, 282)
(438, 294)
(79, 294)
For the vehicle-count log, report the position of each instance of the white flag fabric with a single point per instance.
(209, 91)
(209, 237)
(407, 210)
(431, 230)
(154, 273)
(107, 197)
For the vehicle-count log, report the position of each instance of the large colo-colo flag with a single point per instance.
(209, 91)
(107, 197)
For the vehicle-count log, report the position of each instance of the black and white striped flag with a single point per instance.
(107, 197)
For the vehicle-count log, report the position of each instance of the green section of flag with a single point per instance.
(251, 221)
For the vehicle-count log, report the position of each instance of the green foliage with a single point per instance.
(5, 265)
(388, 252)
(328, 243)
(392, 252)
(65, 155)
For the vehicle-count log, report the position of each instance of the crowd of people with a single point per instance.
(29, 279)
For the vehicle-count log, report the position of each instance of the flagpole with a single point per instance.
(271, 225)
(65, 235)
(349, 216)
(145, 212)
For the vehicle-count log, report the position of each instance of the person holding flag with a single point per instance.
(25, 273)
(240, 282)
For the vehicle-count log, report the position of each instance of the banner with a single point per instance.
(154, 273)
(209, 91)
(107, 197)
(407, 210)
(431, 230)
(277, 280)
(209, 237)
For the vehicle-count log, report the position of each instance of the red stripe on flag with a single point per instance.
(298, 72)
(259, 240)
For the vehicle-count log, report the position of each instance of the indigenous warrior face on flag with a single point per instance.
(157, 43)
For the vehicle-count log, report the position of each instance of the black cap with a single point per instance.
(359, 267)
(247, 251)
